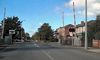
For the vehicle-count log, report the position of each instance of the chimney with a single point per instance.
(82, 23)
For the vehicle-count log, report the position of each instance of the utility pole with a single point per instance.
(3, 23)
(86, 41)
(21, 32)
(74, 15)
(62, 26)
(74, 34)
(63, 18)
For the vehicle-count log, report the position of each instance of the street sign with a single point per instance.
(11, 31)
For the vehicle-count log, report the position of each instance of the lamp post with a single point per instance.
(62, 26)
(63, 18)
(74, 17)
(86, 41)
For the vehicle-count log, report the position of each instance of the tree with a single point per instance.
(44, 33)
(97, 36)
(93, 29)
(13, 23)
(97, 28)
(27, 35)
(36, 36)
(97, 25)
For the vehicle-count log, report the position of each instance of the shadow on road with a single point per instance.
(8, 49)
(38, 48)
(1, 57)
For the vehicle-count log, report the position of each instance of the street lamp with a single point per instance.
(86, 41)
(74, 15)
(63, 18)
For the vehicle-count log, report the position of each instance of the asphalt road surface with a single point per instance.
(41, 51)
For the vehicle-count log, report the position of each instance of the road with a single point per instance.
(41, 51)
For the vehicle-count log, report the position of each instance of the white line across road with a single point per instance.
(36, 45)
(47, 54)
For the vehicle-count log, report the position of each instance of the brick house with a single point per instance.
(80, 29)
(0, 31)
(63, 34)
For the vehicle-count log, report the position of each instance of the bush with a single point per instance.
(1, 41)
(97, 35)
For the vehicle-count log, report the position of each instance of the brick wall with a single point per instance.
(96, 43)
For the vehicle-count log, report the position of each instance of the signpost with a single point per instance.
(11, 32)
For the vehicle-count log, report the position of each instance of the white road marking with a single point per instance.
(36, 45)
(47, 54)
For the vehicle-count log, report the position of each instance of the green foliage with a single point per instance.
(13, 23)
(36, 36)
(97, 36)
(1, 41)
(27, 35)
(44, 33)
(97, 28)
(93, 29)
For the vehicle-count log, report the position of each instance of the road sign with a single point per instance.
(11, 31)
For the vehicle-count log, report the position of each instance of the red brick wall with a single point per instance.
(96, 43)
(67, 31)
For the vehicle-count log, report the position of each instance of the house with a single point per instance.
(63, 34)
(0, 31)
(60, 33)
(80, 29)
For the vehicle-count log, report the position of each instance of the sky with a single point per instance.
(34, 13)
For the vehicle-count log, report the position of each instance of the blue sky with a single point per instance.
(33, 13)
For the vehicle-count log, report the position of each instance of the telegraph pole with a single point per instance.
(3, 23)
(21, 31)
(74, 24)
(74, 15)
(62, 24)
(86, 41)
(63, 18)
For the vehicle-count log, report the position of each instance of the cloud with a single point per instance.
(93, 6)
(40, 24)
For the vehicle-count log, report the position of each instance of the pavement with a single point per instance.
(95, 50)
(90, 49)
(56, 44)
(2, 46)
